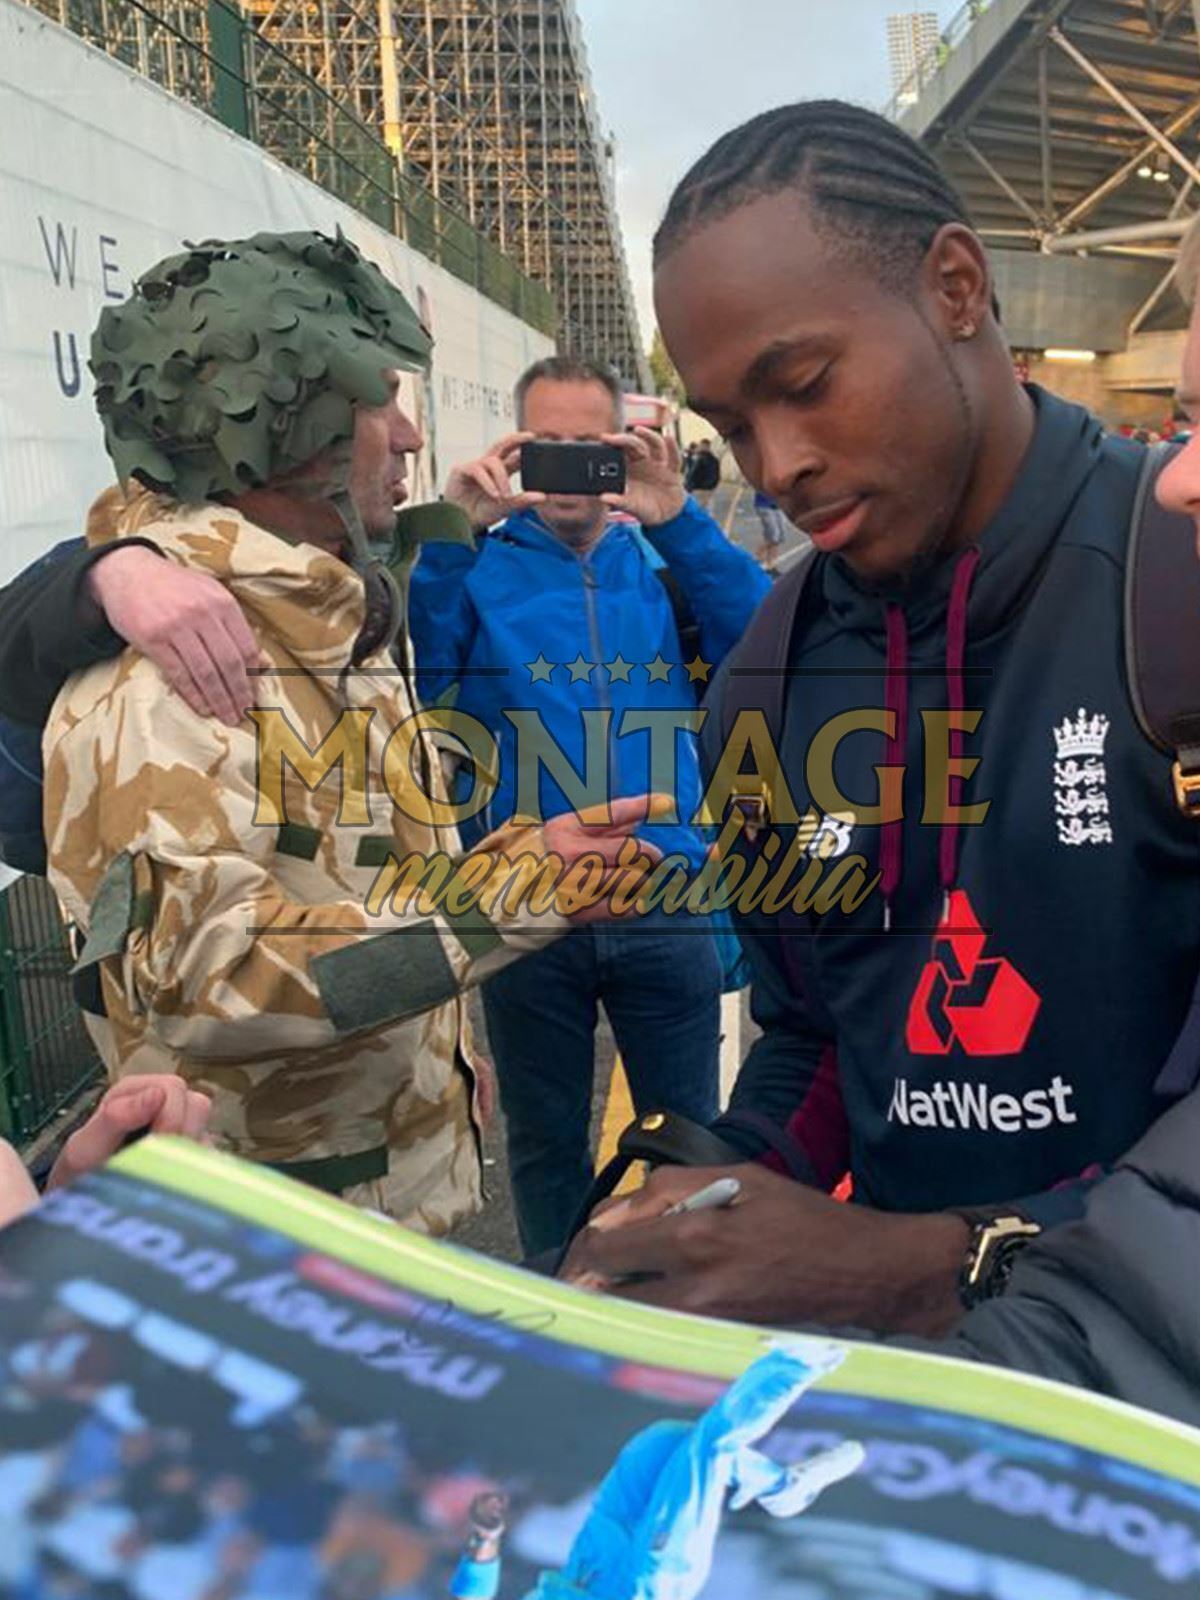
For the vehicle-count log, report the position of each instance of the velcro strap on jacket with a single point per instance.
(335, 1174)
(386, 978)
(298, 839)
(116, 910)
(439, 522)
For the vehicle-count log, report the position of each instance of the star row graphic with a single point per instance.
(618, 669)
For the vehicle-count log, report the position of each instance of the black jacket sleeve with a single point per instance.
(51, 627)
(779, 1078)
(1109, 1302)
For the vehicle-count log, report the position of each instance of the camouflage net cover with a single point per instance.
(236, 362)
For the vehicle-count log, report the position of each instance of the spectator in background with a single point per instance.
(704, 474)
(503, 625)
(774, 524)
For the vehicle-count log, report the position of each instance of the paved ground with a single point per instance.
(734, 510)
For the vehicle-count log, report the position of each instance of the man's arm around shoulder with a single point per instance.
(50, 627)
(81, 605)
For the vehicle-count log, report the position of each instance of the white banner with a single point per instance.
(102, 173)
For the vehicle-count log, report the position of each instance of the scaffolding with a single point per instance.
(468, 127)
(488, 107)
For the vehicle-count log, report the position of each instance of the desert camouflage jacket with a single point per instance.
(224, 896)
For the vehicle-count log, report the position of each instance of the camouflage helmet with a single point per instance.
(237, 361)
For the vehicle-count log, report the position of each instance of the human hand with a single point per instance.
(654, 489)
(151, 1103)
(624, 863)
(184, 621)
(483, 488)
(17, 1193)
(781, 1254)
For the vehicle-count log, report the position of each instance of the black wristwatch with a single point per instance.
(997, 1239)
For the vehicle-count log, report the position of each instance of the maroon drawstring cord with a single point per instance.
(891, 848)
(956, 649)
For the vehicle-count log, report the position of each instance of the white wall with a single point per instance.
(102, 174)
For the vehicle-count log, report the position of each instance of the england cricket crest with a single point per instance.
(1081, 780)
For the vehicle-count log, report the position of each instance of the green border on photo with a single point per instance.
(663, 1339)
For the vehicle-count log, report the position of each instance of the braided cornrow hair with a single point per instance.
(866, 180)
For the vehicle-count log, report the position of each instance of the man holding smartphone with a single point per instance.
(556, 631)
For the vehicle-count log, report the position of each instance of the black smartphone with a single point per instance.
(572, 468)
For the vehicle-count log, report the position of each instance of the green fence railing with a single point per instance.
(46, 1057)
(210, 53)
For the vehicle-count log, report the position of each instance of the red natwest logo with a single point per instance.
(982, 1004)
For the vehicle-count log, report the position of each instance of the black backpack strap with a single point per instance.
(756, 674)
(686, 623)
(1162, 668)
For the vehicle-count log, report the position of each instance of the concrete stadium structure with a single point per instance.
(1072, 129)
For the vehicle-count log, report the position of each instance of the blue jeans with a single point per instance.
(659, 980)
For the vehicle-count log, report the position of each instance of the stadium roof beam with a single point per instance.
(1042, 121)
(1047, 150)
(1052, 117)
(1125, 171)
(1000, 181)
(1152, 300)
(1103, 238)
(1125, 103)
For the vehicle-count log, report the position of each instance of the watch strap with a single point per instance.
(997, 1237)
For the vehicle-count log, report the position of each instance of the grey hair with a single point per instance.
(569, 369)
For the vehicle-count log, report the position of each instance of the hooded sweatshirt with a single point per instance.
(990, 1021)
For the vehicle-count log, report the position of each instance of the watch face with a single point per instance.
(1004, 1259)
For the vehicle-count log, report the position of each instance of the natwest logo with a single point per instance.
(981, 1003)
(976, 1105)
